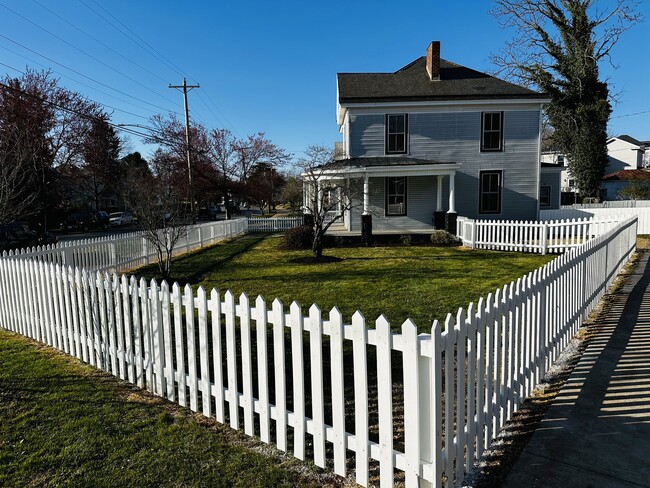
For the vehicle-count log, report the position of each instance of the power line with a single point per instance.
(152, 51)
(120, 127)
(630, 115)
(86, 76)
(81, 83)
(121, 73)
(142, 43)
(138, 65)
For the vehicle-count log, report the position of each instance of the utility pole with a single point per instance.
(185, 87)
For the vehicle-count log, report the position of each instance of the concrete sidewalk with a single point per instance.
(597, 431)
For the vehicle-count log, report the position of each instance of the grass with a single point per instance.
(64, 423)
(418, 282)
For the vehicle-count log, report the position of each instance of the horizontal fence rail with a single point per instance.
(425, 406)
(273, 225)
(122, 252)
(606, 210)
(555, 236)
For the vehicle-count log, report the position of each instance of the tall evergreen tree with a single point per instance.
(558, 48)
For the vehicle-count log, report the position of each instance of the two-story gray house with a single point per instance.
(437, 137)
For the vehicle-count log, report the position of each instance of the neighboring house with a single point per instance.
(437, 137)
(624, 153)
(613, 183)
(567, 185)
(626, 158)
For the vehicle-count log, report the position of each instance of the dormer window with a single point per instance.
(396, 133)
(492, 131)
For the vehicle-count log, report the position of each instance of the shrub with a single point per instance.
(300, 237)
(444, 238)
(406, 239)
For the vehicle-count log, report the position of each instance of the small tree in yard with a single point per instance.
(329, 194)
(162, 213)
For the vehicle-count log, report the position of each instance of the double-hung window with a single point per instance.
(490, 191)
(396, 195)
(396, 133)
(492, 131)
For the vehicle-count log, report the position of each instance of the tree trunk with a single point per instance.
(317, 245)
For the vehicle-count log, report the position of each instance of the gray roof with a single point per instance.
(631, 140)
(412, 83)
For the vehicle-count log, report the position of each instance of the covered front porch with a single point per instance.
(398, 196)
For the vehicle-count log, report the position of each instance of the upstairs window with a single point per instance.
(492, 131)
(490, 192)
(396, 195)
(396, 133)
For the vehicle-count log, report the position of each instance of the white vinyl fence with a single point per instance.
(555, 236)
(311, 384)
(122, 252)
(273, 225)
(606, 210)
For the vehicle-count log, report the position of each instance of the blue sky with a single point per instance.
(263, 65)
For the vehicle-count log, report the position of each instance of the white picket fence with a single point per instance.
(554, 236)
(273, 225)
(427, 405)
(122, 252)
(606, 210)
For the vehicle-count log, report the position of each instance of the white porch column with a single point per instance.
(366, 195)
(439, 194)
(452, 194)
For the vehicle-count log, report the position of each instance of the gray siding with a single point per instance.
(455, 137)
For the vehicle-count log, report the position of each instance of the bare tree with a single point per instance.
(16, 195)
(557, 48)
(162, 214)
(222, 155)
(329, 192)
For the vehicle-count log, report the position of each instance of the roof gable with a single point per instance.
(628, 139)
(412, 83)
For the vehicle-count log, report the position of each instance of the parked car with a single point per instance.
(19, 235)
(118, 219)
(208, 213)
(85, 220)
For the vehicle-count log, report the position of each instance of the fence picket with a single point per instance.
(231, 360)
(167, 352)
(193, 382)
(247, 370)
(360, 366)
(262, 369)
(298, 375)
(278, 320)
(205, 385)
(217, 356)
(338, 400)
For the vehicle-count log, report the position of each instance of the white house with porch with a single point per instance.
(431, 140)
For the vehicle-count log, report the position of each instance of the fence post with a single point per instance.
(114, 256)
(145, 251)
(544, 238)
(473, 239)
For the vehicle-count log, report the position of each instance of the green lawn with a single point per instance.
(418, 282)
(65, 423)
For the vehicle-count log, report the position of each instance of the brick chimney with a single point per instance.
(433, 60)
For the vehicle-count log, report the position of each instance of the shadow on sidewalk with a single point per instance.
(597, 431)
